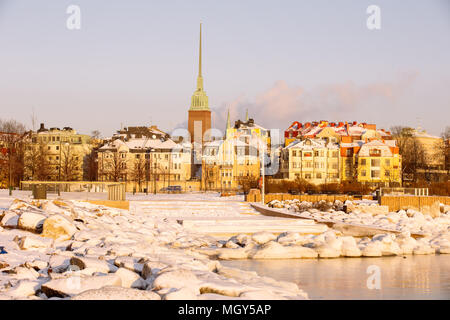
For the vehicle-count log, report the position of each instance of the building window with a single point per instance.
(387, 162)
(363, 162)
(375, 162)
(363, 173)
(319, 176)
(387, 173)
(375, 173)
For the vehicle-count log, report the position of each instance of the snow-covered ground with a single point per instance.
(72, 249)
(189, 196)
(370, 214)
(161, 247)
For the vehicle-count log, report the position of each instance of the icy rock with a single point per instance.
(423, 249)
(116, 293)
(406, 243)
(129, 263)
(58, 227)
(23, 273)
(260, 295)
(263, 237)
(231, 245)
(444, 248)
(274, 250)
(59, 263)
(25, 288)
(31, 221)
(231, 254)
(151, 268)
(387, 244)
(243, 239)
(176, 279)
(9, 220)
(96, 251)
(289, 237)
(373, 249)
(75, 285)
(34, 242)
(36, 264)
(328, 251)
(350, 248)
(130, 279)
(93, 264)
(3, 264)
(181, 294)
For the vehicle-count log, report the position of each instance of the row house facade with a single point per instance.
(226, 163)
(375, 162)
(147, 162)
(320, 161)
(314, 160)
(56, 154)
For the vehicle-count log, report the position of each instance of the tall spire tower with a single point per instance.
(199, 100)
(199, 121)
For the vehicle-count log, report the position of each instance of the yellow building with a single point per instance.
(375, 163)
(434, 159)
(248, 132)
(56, 154)
(226, 163)
(315, 160)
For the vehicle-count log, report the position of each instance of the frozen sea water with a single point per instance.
(413, 277)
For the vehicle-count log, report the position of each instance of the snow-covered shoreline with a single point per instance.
(69, 249)
(72, 249)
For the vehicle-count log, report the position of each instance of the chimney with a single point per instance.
(341, 124)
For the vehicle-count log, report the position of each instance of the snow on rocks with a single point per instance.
(31, 221)
(74, 285)
(131, 279)
(31, 242)
(275, 250)
(9, 220)
(87, 251)
(263, 237)
(93, 264)
(369, 213)
(116, 293)
(58, 227)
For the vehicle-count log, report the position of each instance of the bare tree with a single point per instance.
(37, 164)
(412, 152)
(138, 171)
(70, 164)
(90, 166)
(116, 166)
(443, 151)
(11, 157)
(95, 134)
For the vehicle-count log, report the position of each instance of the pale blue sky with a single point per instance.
(135, 62)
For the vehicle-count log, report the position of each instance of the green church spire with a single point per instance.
(199, 100)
